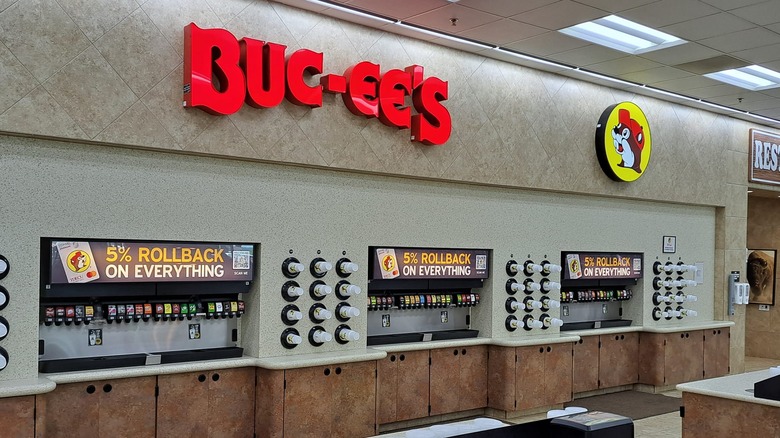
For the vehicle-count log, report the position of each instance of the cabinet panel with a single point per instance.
(353, 409)
(618, 359)
(127, 407)
(387, 389)
(17, 416)
(501, 378)
(231, 403)
(557, 374)
(529, 378)
(586, 364)
(716, 352)
(269, 403)
(69, 410)
(473, 378)
(307, 402)
(445, 380)
(683, 357)
(651, 358)
(174, 417)
(413, 385)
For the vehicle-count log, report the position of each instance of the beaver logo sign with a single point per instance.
(623, 142)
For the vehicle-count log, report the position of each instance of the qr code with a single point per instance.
(240, 259)
(481, 262)
(637, 264)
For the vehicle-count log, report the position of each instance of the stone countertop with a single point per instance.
(148, 370)
(319, 359)
(676, 327)
(604, 331)
(431, 345)
(534, 340)
(15, 388)
(734, 387)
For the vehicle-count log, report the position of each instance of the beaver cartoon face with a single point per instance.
(78, 261)
(629, 140)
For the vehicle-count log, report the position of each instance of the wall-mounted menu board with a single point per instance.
(78, 261)
(390, 263)
(601, 265)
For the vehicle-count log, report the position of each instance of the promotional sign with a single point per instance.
(256, 72)
(623, 142)
(601, 265)
(138, 261)
(764, 151)
(426, 263)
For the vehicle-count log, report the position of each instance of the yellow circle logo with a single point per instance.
(623, 142)
(78, 261)
(388, 263)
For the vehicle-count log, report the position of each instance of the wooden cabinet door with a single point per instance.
(308, 402)
(586, 364)
(387, 389)
(716, 352)
(445, 380)
(618, 357)
(17, 416)
(127, 407)
(652, 352)
(183, 405)
(353, 407)
(71, 410)
(473, 378)
(530, 389)
(269, 403)
(683, 357)
(413, 385)
(557, 374)
(501, 378)
(231, 403)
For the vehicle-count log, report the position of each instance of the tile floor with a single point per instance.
(661, 426)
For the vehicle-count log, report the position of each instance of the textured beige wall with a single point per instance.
(110, 72)
(762, 329)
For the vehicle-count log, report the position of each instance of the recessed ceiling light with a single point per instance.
(752, 77)
(621, 34)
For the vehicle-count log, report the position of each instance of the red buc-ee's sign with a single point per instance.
(259, 73)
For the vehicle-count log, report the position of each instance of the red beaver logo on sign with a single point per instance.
(257, 72)
(629, 139)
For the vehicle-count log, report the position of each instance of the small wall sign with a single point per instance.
(670, 244)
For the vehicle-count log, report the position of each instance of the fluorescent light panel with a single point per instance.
(752, 77)
(621, 34)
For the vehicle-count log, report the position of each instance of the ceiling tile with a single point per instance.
(742, 40)
(748, 97)
(709, 65)
(772, 65)
(686, 84)
(590, 54)
(681, 54)
(502, 32)
(613, 6)
(770, 103)
(759, 54)
(622, 66)
(714, 90)
(505, 8)
(762, 13)
(439, 19)
(657, 74)
(772, 92)
(547, 43)
(706, 27)
(399, 9)
(727, 5)
(667, 12)
(559, 15)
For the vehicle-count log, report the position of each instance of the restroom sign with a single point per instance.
(623, 142)
(764, 151)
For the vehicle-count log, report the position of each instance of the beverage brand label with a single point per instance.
(221, 73)
(623, 142)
